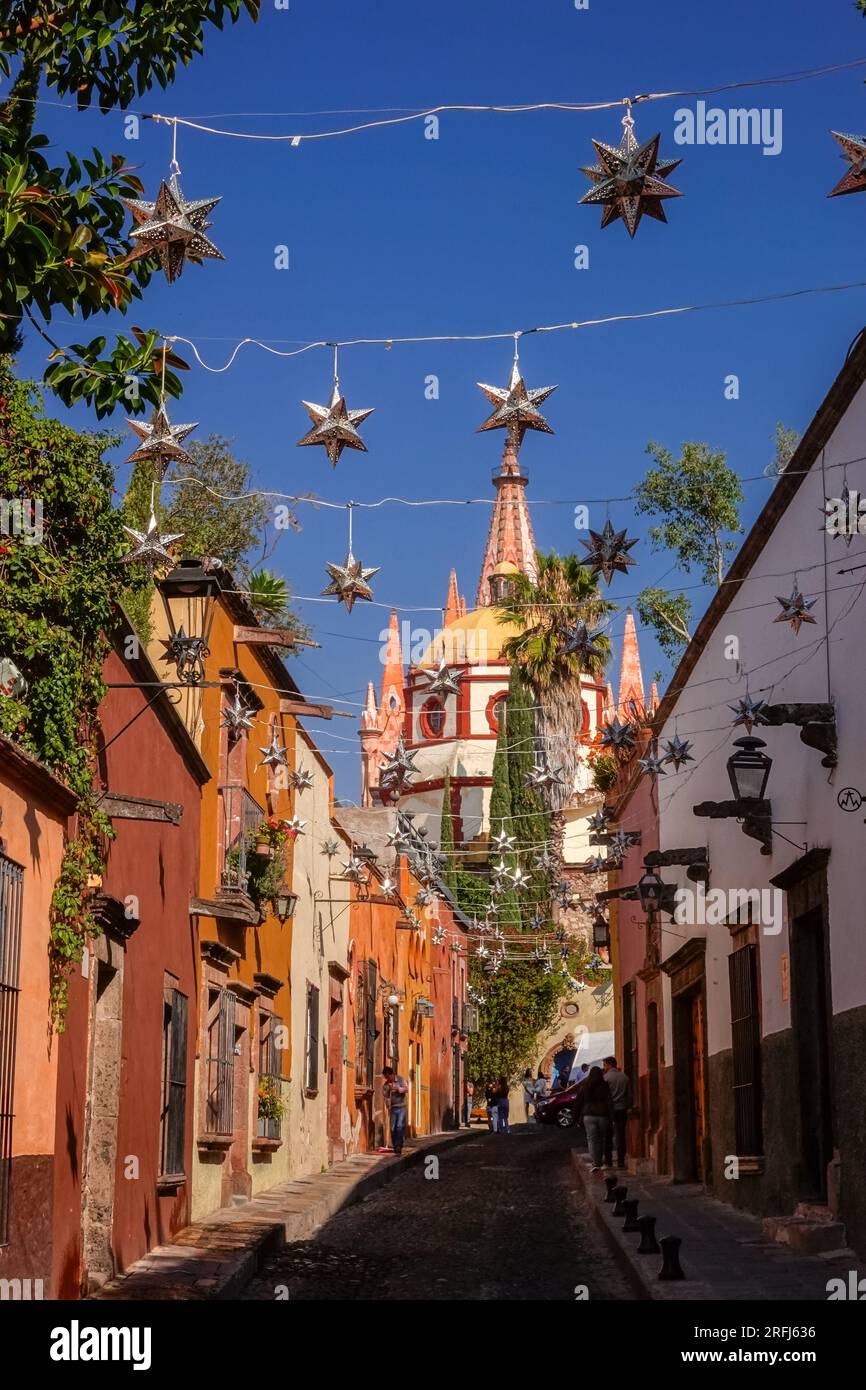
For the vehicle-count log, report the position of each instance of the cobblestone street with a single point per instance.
(504, 1220)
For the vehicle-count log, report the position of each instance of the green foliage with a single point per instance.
(446, 836)
(786, 445)
(57, 614)
(546, 610)
(696, 499)
(604, 771)
(62, 238)
(268, 595)
(668, 615)
(521, 1004)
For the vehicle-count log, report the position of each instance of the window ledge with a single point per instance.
(170, 1182)
(215, 1141)
(311, 1092)
(264, 1145)
(750, 1165)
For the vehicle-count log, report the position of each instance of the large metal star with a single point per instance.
(296, 826)
(607, 552)
(515, 407)
(540, 776)
(301, 779)
(676, 751)
(150, 547)
(160, 441)
(596, 864)
(795, 610)
(397, 771)
(399, 840)
(173, 228)
(652, 765)
(446, 680)
(617, 735)
(238, 716)
(354, 870)
(330, 848)
(629, 180)
(598, 822)
(749, 712)
(520, 878)
(335, 427)
(349, 582)
(622, 840)
(275, 754)
(854, 150)
(583, 644)
(503, 842)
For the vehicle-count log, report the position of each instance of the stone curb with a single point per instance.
(640, 1270)
(262, 1233)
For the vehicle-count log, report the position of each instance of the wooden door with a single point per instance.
(336, 1146)
(810, 1020)
(699, 1116)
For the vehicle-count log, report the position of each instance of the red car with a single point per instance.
(560, 1108)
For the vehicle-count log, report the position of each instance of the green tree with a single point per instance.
(546, 611)
(668, 615)
(446, 836)
(63, 246)
(786, 441)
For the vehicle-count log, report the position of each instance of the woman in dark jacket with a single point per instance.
(596, 1111)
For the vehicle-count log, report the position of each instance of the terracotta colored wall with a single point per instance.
(156, 863)
(33, 832)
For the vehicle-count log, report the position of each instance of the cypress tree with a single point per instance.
(446, 836)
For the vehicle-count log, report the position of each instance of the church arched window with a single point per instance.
(432, 718)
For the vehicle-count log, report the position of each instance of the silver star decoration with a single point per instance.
(425, 897)
(545, 860)
(354, 870)
(455, 946)
(598, 822)
(652, 766)
(335, 427)
(547, 968)
(622, 840)
(676, 751)
(187, 654)
(519, 878)
(330, 847)
(596, 864)
(502, 842)
(238, 716)
(439, 935)
(173, 227)
(617, 735)
(795, 610)
(749, 712)
(482, 952)
(481, 999)
(607, 552)
(541, 776)
(399, 840)
(501, 868)
(583, 644)
(446, 681)
(854, 150)
(536, 922)
(150, 547)
(301, 779)
(515, 408)
(275, 754)
(349, 582)
(629, 180)
(387, 887)
(296, 826)
(397, 771)
(160, 441)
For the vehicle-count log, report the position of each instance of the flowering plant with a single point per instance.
(275, 831)
(270, 1105)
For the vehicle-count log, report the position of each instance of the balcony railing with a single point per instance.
(242, 815)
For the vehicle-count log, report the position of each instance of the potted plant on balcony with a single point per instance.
(270, 836)
(271, 1106)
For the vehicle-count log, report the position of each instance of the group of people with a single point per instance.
(498, 1106)
(602, 1105)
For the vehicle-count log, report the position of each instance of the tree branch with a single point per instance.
(678, 628)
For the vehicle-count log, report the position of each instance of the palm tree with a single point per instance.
(563, 599)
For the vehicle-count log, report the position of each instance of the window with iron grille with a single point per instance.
(370, 1019)
(11, 892)
(269, 1073)
(746, 1050)
(361, 1028)
(173, 1113)
(311, 1066)
(219, 1113)
(394, 1036)
(629, 1034)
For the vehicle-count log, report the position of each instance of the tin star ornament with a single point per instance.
(335, 427)
(349, 582)
(330, 848)
(439, 936)
(541, 777)
(354, 870)
(748, 712)
(172, 227)
(596, 864)
(397, 771)
(187, 654)
(676, 751)
(275, 754)
(607, 552)
(583, 644)
(502, 842)
(520, 878)
(598, 822)
(296, 826)
(617, 735)
(795, 610)
(237, 717)
(301, 779)
(652, 766)
(630, 179)
(160, 441)
(150, 547)
(446, 681)
(387, 887)
(854, 150)
(515, 408)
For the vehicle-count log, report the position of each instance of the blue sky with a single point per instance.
(392, 234)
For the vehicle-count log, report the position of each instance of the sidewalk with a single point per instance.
(724, 1252)
(214, 1258)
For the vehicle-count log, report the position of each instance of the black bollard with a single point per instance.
(619, 1195)
(631, 1207)
(610, 1184)
(648, 1243)
(671, 1267)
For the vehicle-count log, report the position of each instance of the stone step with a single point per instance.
(814, 1211)
(805, 1237)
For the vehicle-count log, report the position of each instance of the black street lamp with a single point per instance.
(650, 890)
(189, 593)
(749, 769)
(285, 904)
(600, 933)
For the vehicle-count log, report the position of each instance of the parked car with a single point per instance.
(560, 1108)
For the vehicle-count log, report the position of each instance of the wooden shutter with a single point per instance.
(225, 1064)
(372, 991)
(312, 1038)
(746, 1050)
(175, 1100)
(11, 890)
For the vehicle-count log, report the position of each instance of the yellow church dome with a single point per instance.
(475, 639)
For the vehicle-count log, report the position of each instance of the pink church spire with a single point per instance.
(510, 538)
(630, 678)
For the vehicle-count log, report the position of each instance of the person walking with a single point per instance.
(529, 1093)
(595, 1107)
(470, 1092)
(618, 1085)
(540, 1089)
(502, 1106)
(396, 1091)
(492, 1112)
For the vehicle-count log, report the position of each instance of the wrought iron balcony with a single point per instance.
(242, 815)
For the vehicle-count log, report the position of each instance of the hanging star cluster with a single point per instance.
(349, 582)
(795, 610)
(607, 552)
(151, 548)
(748, 712)
(630, 180)
(160, 441)
(515, 408)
